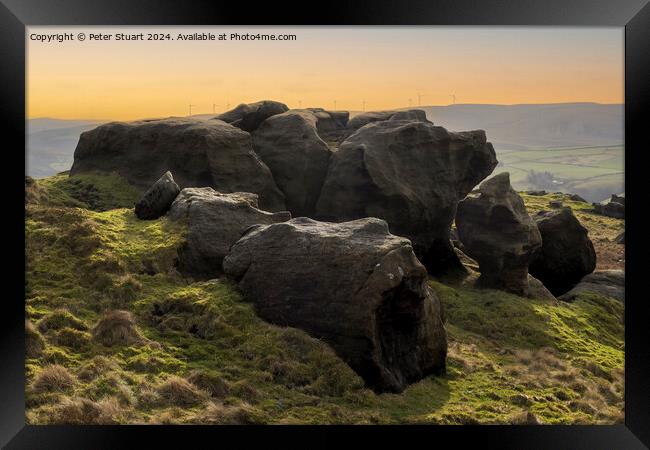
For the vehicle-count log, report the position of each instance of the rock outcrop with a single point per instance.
(331, 125)
(614, 207)
(289, 144)
(365, 118)
(610, 283)
(249, 116)
(496, 230)
(411, 174)
(215, 222)
(566, 255)
(352, 284)
(199, 153)
(158, 198)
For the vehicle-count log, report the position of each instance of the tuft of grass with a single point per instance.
(116, 327)
(34, 342)
(53, 378)
(180, 392)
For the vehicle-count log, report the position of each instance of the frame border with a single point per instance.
(634, 15)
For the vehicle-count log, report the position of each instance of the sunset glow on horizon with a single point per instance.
(345, 68)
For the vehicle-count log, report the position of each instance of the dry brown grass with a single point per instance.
(178, 391)
(95, 367)
(210, 382)
(116, 327)
(220, 414)
(34, 342)
(53, 378)
(81, 411)
(71, 338)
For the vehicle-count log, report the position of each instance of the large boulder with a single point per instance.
(566, 255)
(365, 118)
(158, 198)
(215, 222)
(411, 174)
(609, 283)
(352, 284)
(290, 146)
(614, 207)
(198, 152)
(249, 116)
(496, 230)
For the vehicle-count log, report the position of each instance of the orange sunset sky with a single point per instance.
(385, 66)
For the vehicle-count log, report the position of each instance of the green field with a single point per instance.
(592, 172)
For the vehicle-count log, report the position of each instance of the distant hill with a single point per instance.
(51, 142)
(520, 127)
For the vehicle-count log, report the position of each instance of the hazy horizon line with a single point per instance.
(351, 110)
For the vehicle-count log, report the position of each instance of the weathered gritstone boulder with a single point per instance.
(198, 152)
(290, 146)
(158, 198)
(614, 207)
(215, 221)
(566, 255)
(249, 116)
(352, 284)
(610, 283)
(331, 125)
(365, 118)
(496, 231)
(411, 174)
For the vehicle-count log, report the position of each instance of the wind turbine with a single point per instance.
(453, 96)
(363, 108)
(191, 105)
(420, 99)
(214, 110)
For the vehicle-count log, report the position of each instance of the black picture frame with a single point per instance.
(634, 15)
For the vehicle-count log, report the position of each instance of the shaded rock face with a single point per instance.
(290, 146)
(248, 117)
(215, 222)
(614, 207)
(566, 255)
(331, 125)
(363, 119)
(411, 174)
(610, 283)
(497, 231)
(198, 152)
(352, 284)
(158, 198)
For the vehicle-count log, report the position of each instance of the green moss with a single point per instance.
(95, 191)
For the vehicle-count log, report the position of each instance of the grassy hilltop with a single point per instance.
(197, 352)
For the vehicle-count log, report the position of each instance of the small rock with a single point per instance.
(158, 198)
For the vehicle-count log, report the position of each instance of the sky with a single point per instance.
(349, 68)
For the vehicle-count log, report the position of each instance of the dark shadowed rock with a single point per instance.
(158, 198)
(215, 221)
(411, 174)
(198, 152)
(331, 125)
(536, 193)
(290, 146)
(567, 254)
(577, 198)
(352, 284)
(496, 231)
(620, 239)
(555, 204)
(249, 116)
(365, 118)
(610, 283)
(614, 207)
